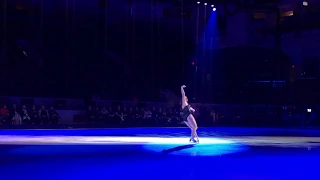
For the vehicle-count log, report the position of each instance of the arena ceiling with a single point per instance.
(90, 3)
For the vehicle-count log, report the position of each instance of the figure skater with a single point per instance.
(188, 118)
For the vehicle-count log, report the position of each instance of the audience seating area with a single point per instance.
(35, 112)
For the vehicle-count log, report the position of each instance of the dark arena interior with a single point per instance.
(94, 89)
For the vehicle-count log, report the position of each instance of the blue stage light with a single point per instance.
(214, 9)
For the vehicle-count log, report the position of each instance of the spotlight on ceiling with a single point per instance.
(205, 4)
(305, 3)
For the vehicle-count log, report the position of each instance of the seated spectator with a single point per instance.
(119, 115)
(125, 115)
(25, 115)
(34, 115)
(147, 116)
(104, 115)
(15, 114)
(4, 115)
(214, 118)
(44, 115)
(131, 116)
(138, 115)
(53, 116)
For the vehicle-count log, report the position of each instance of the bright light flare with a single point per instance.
(47, 140)
(140, 140)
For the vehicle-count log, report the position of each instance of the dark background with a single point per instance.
(78, 52)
